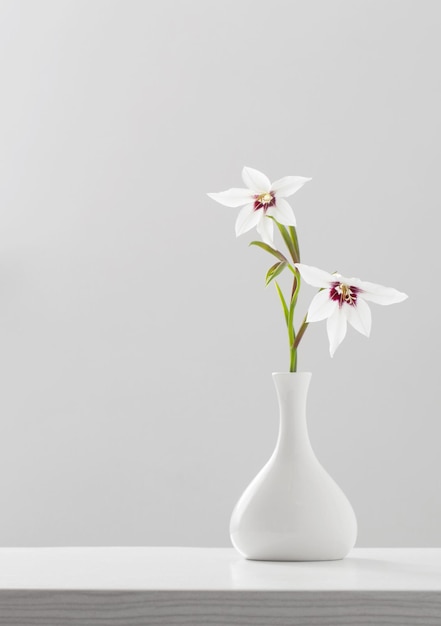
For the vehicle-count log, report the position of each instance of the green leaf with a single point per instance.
(283, 301)
(288, 240)
(275, 270)
(293, 233)
(268, 248)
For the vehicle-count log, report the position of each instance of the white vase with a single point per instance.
(293, 510)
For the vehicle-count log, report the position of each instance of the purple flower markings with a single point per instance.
(344, 294)
(264, 201)
(261, 202)
(341, 300)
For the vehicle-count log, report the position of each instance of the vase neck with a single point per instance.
(292, 391)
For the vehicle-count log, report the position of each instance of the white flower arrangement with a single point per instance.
(340, 300)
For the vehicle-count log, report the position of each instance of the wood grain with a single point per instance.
(219, 608)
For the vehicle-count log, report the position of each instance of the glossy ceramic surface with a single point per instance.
(293, 510)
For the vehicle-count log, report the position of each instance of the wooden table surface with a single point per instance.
(216, 587)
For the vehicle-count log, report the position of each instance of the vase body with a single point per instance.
(293, 510)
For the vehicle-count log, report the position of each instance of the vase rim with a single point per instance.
(292, 373)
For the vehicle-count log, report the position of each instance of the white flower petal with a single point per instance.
(288, 185)
(355, 282)
(321, 307)
(232, 197)
(315, 277)
(359, 316)
(265, 228)
(336, 327)
(255, 180)
(379, 294)
(282, 212)
(247, 219)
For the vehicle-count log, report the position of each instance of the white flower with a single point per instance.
(262, 200)
(343, 300)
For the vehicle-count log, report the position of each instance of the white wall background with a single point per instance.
(137, 339)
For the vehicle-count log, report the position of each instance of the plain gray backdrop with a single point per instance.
(137, 338)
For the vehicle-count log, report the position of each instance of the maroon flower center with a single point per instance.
(344, 294)
(264, 201)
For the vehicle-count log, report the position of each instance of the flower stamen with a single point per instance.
(344, 294)
(264, 201)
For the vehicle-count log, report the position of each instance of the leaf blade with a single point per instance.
(283, 301)
(293, 233)
(274, 271)
(288, 241)
(268, 248)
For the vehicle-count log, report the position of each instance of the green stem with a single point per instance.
(293, 360)
(293, 233)
(291, 339)
(289, 235)
(291, 329)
